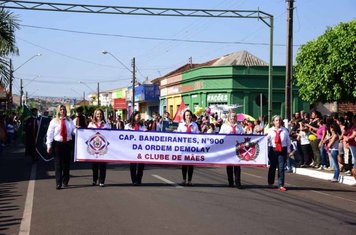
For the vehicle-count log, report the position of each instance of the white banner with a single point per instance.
(102, 145)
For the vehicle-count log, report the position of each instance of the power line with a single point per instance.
(145, 38)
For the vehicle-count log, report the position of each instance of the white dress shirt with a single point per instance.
(226, 128)
(104, 125)
(54, 128)
(183, 128)
(129, 127)
(285, 139)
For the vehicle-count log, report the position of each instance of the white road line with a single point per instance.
(167, 181)
(326, 194)
(27, 213)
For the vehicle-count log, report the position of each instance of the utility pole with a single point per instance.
(84, 95)
(190, 62)
(289, 62)
(98, 96)
(21, 92)
(26, 97)
(133, 83)
(10, 88)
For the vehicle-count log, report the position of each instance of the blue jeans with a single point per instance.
(334, 154)
(323, 155)
(353, 154)
(277, 159)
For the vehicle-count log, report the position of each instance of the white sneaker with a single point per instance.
(348, 173)
(320, 168)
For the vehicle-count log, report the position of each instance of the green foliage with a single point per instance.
(326, 67)
(8, 24)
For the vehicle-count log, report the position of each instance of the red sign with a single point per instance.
(119, 103)
(178, 117)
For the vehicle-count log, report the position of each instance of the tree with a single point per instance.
(326, 67)
(8, 24)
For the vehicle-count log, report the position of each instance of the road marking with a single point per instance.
(326, 194)
(167, 181)
(27, 213)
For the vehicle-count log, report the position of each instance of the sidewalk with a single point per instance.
(325, 175)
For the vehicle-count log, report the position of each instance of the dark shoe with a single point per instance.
(94, 183)
(189, 183)
(135, 184)
(231, 185)
(58, 187)
(239, 186)
(271, 186)
(183, 183)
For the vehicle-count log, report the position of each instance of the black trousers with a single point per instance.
(99, 167)
(136, 170)
(190, 170)
(230, 171)
(61, 161)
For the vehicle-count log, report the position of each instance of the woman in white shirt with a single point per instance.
(59, 138)
(100, 123)
(136, 169)
(231, 126)
(187, 126)
(278, 149)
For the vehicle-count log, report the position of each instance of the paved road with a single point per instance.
(160, 206)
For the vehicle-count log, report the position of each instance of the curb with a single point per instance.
(325, 175)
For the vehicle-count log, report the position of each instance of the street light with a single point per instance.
(27, 61)
(133, 71)
(12, 74)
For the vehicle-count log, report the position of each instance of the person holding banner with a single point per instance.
(136, 169)
(59, 137)
(188, 126)
(99, 123)
(278, 149)
(231, 126)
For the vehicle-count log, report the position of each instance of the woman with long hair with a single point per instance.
(99, 123)
(136, 169)
(187, 126)
(59, 138)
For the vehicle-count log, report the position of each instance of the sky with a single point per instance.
(72, 63)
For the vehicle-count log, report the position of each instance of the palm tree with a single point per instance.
(8, 24)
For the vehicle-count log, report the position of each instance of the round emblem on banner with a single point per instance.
(97, 145)
(247, 150)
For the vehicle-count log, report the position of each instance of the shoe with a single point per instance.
(334, 180)
(231, 185)
(184, 183)
(271, 186)
(239, 186)
(321, 168)
(65, 185)
(329, 168)
(101, 184)
(348, 173)
(282, 189)
(58, 187)
(303, 166)
(189, 183)
(94, 183)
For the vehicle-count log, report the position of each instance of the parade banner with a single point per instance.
(103, 145)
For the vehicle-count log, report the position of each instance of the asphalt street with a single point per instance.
(161, 206)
